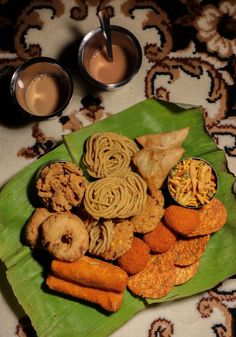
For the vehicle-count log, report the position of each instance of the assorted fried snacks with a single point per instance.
(91, 272)
(156, 279)
(161, 239)
(187, 251)
(116, 197)
(61, 186)
(139, 239)
(148, 218)
(154, 165)
(192, 182)
(108, 300)
(184, 274)
(33, 226)
(121, 241)
(65, 237)
(212, 217)
(164, 140)
(108, 154)
(136, 258)
(100, 234)
(182, 220)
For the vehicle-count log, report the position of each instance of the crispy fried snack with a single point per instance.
(65, 237)
(164, 140)
(110, 301)
(149, 217)
(91, 272)
(188, 250)
(136, 258)
(121, 241)
(33, 226)
(161, 239)
(181, 220)
(184, 274)
(154, 165)
(213, 216)
(156, 279)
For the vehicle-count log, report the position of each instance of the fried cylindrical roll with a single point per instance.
(108, 300)
(91, 272)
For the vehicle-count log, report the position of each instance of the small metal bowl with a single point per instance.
(93, 43)
(198, 199)
(41, 88)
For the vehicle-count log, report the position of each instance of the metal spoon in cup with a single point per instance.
(106, 30)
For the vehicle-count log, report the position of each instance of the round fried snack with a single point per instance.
(149, 217)
(213, 216)
(136, 258)
(33, 226)
(181, 220)
(65, 237)
(184, 274)
(156, 279)
(188, 250)
(161, 239)
(121, 241)
(158, 197)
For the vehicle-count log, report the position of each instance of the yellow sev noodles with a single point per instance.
(108, 154)
(192, 182)
(116, 197)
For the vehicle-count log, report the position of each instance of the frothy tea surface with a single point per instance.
(42, 96)
(109, 72)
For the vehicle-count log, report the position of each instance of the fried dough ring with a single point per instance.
(65, 237)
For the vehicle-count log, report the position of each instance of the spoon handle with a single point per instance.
(106, 30)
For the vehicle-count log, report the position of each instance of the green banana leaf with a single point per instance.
(59, 316)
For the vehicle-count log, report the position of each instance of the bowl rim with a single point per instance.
(93, 81)
(213, 170)
(26, 64)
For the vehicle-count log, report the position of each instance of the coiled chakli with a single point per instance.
(108, 154)
(116, 197)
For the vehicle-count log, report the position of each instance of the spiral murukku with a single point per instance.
(108, 154)
(100, 235)
(116, 197)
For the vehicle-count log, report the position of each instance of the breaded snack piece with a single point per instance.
(156, 279)
(184, 274)
(149, 217)
(181, 220)
(136, 258)
(213, 216)
(65, 237)
(61, 186)
(91, 272)
(108, 300)
(33, 225)
(121, 241)
(161, 239)
(188, 250)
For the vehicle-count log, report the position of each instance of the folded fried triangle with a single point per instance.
(164, 140)
(154, 165)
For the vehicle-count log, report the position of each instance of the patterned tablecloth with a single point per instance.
(189, 49)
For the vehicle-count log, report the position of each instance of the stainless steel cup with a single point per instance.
(94, 42)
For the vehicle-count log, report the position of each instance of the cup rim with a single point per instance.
(109, 86)
(26, 64)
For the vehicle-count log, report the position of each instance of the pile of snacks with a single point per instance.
(121, 218)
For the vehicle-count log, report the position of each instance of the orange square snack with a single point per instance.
(213, 216)
(156, 279)
(184, 274)
(181, 220)
(188, 250)
(161, 239)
